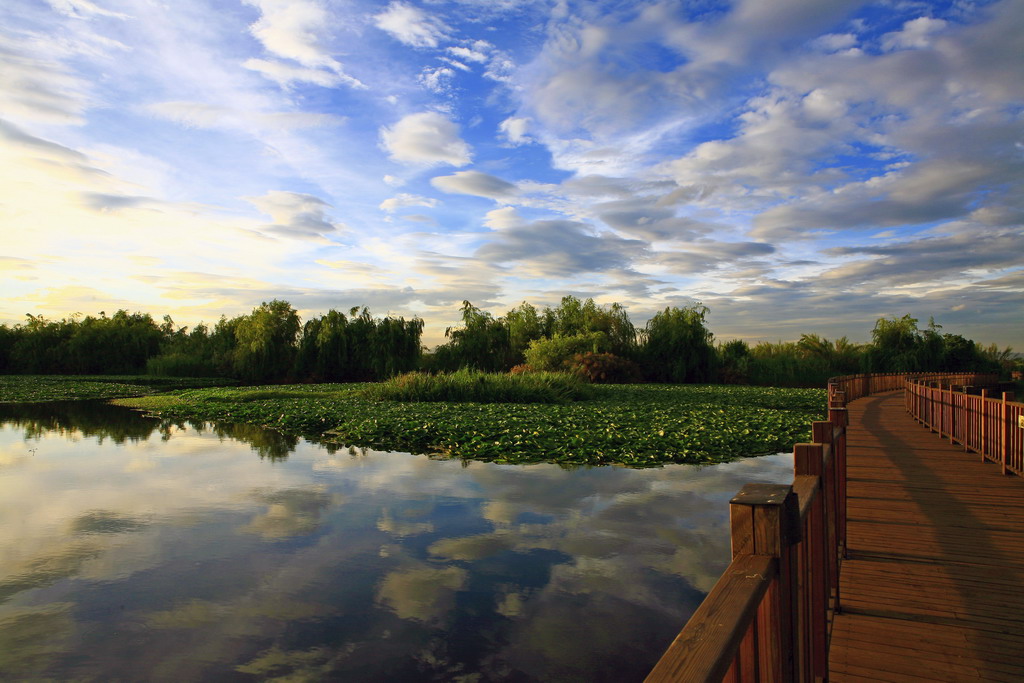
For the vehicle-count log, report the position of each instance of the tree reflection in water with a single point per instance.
(102, 421)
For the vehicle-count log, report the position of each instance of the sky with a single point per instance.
(796, 166)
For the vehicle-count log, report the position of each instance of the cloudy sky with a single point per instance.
(795, 165)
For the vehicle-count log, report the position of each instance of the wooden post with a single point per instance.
(808, 459)
(822, 432)
(943, 422)
(765, 521)
(927, 406)
(1007, 397)
(917, 400)
(839, 418)
(968, 422)
(984, 423)
(952, 416)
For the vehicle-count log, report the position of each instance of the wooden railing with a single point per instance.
(859, 386)
(991, 426)
(769, 616)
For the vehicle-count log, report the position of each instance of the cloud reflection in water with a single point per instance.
(386, 566)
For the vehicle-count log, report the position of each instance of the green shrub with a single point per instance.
(552, 354)
(481, 387)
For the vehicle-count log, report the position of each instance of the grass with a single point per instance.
(470, 386)
(40, 388)
(635, 425)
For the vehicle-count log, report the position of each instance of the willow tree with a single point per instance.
(481, 343)
(677, 346)
(266, 348)
(360, 347)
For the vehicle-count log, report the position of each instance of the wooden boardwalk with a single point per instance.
(933, 587)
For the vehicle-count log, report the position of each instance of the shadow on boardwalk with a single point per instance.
(932, 589)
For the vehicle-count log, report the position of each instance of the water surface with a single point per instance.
(138, 549)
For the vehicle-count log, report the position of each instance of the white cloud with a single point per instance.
(515, 130)
(393, 181)
(505, 217)
(916, 33)
(202, 115)
(477, 184)
(292, 29)
(558, 248)
(83, 8)
(437, 79)
(295, 215)
(37, 87)
(285, 74)
(456, 63)
(646, 218)
(923, 193)
(428, 139)
(834, 42)
(709, 255)
(775, 154)
(404, 200)
(821, 105)
(756, 30)
(468, 54)
(289, 29)
(411, 25)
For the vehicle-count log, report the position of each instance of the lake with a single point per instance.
(133, 548)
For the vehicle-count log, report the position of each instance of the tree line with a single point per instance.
(272, 344)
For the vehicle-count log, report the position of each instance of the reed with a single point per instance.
(473, 386)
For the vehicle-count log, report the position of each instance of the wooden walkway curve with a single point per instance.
(933, 585)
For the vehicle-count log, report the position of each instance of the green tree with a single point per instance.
(266, 342)
(481, 343)
(525, 324)
(339, 348)
(1002, 360)
(959, 353)
(8, 338)
(573, 317)
(40, 346)
(734, 362)
(895, 345)
(677, 346)
(120, 344)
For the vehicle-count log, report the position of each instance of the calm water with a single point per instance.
(136, 549)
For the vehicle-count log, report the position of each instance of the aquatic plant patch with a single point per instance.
(636, 425)
(41, 388)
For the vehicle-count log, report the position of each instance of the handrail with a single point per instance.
(990, 426)
(706, 654)
(768, 618)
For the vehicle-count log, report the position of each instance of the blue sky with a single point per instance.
(795, 165)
